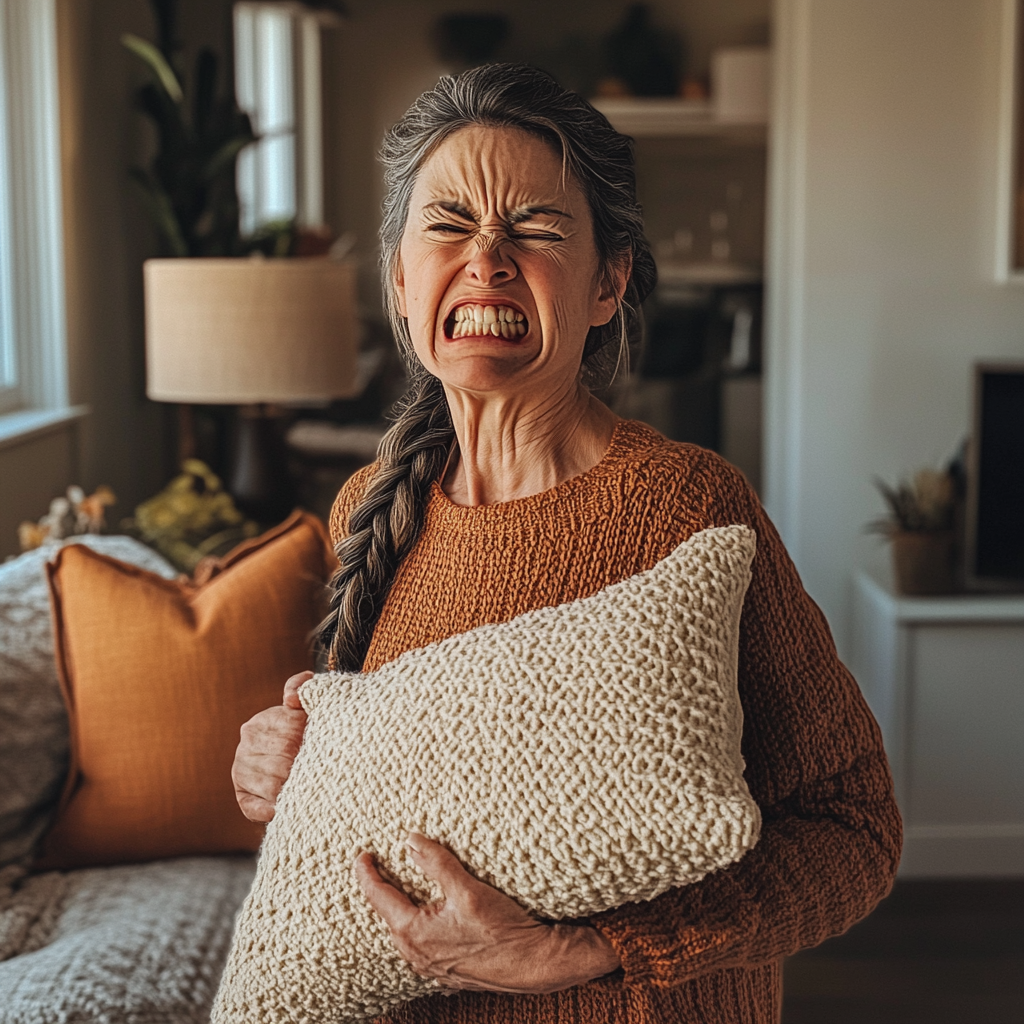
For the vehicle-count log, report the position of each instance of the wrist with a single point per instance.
(603, 958)
(590, 954)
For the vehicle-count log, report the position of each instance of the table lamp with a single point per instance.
(254, 333)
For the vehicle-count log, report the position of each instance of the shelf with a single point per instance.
(948, 608)
(684, 275)
(669, 117)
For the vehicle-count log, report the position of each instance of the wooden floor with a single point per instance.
(935, 952)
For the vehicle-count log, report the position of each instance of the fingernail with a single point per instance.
(413, 842)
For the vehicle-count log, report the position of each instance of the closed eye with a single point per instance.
(544, 236)
(448, 229)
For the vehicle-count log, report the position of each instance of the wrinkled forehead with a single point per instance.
(496, 171)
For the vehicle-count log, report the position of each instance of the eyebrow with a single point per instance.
(516, 217)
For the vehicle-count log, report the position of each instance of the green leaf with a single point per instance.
(161, 210)
(226, 155)
(154, 59)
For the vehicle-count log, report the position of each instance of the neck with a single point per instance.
(513, 446)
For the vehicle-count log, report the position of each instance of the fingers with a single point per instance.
(276, 731)
(254, 808)
(263, 761)
(394, 906)
(439, 864)
(291, 690)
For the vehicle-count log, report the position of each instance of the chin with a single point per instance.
(478, 365)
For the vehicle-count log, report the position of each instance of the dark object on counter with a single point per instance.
(647, 59)
(718, 328)
(676, 341)
(467, 40)
(995, 478)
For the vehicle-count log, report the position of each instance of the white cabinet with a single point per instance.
(945, 678)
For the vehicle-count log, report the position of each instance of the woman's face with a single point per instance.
(498, 272)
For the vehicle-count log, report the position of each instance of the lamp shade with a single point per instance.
(240, 331)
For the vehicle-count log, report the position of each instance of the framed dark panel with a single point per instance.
(995, 491)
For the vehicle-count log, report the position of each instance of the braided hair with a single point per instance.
(386, 523)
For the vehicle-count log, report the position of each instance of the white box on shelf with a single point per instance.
(741, 83)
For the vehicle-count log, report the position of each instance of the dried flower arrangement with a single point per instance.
(925, 502)
(71, 516)
(920, 524)
(192, 518)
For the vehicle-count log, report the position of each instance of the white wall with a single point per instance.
(883, 193)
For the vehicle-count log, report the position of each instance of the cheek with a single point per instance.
(425, 282)
(571, 290)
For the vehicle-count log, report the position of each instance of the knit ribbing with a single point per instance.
(831, 833)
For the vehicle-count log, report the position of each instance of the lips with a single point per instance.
(478, 321)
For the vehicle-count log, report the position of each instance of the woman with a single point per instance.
(514, 264)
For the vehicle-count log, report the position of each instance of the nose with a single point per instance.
(489, 263)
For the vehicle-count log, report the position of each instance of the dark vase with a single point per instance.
(467, 40)
(649, 60)
(924, 562)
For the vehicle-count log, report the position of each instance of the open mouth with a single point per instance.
(471, 321)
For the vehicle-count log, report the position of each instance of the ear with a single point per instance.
(398, 279)
(611, 289)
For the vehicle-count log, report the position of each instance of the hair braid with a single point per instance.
(384, 525)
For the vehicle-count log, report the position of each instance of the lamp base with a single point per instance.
(260, 482)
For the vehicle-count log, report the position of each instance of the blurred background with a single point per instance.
(832, 192)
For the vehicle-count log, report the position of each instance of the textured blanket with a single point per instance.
(133, 944)
(575, 757)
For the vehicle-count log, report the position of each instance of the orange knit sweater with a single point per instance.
(709, 953)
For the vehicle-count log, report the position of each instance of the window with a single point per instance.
(33, 357)
(277, 82)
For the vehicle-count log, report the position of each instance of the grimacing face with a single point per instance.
(498, 275)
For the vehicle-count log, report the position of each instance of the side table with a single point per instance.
(944, 676)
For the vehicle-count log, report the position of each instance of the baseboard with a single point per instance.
(963, 851)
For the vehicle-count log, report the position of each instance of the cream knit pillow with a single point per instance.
(576, 758)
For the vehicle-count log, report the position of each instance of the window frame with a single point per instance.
(32, 300)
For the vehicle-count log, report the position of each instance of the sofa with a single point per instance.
(125, 943)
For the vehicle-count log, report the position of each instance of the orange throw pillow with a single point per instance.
(158, 676)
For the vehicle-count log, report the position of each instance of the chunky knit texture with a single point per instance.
(575, 758)
(707, 953)
(132, 944)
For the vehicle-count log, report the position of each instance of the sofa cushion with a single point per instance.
(576, 758)
(133, 944)
(34, 751)
(159, 676)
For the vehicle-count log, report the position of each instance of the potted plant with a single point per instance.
(920, 526)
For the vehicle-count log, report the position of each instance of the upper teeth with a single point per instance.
(499, 321)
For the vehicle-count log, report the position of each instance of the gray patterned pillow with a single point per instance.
(34, 751)
(576, 758)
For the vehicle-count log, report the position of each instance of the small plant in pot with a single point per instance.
(921, 527)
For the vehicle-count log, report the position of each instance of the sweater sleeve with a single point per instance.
(831, 833)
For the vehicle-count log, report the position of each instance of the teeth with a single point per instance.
(484, 321)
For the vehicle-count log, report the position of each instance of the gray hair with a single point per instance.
(388, 519)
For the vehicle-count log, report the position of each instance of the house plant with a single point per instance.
(921, 527)
(189, 185)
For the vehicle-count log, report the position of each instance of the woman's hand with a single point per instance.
(478, 938)
(269, 743)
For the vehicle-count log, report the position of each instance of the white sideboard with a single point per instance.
(945, 678)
